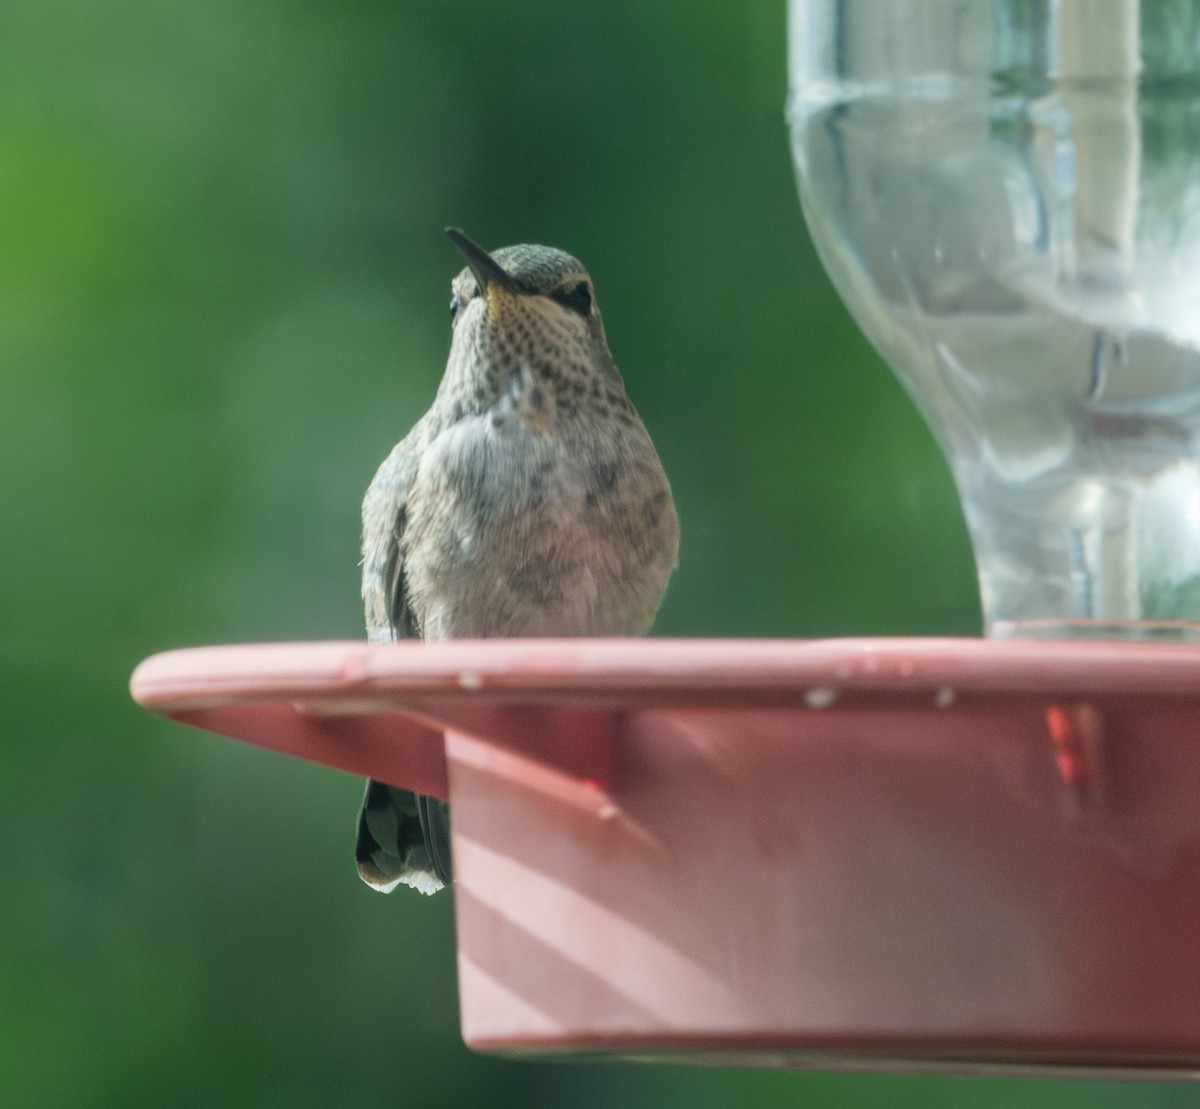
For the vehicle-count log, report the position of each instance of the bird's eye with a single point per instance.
(578, 298)
(453, 307)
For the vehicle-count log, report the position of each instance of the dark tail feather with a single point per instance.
(403, 838)
(435, 824)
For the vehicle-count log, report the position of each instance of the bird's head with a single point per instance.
(533, 303)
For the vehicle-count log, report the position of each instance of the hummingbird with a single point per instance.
(528, 501)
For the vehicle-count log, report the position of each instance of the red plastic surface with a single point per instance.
(847, 853)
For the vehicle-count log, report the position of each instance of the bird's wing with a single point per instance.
(402, 838)
(384, 512)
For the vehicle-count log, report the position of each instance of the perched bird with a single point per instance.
(528, 501)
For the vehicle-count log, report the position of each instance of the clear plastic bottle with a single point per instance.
(1007, 197)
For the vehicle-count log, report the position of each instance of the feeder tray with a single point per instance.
(930, 854)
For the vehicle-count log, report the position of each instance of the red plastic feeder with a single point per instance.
(850, 853)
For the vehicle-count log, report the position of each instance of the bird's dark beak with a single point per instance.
(486, 269)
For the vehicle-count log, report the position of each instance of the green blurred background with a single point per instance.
(223, 290)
